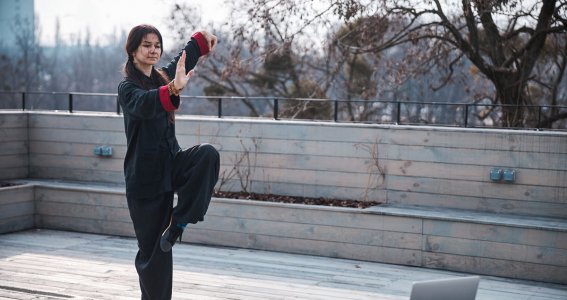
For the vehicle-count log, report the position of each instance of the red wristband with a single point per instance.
(165, 99)
(202, 42)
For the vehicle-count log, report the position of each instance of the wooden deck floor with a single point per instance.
(46, 264)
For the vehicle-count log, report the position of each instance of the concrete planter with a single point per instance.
(308, 229)
(16, 207)
(442, 239)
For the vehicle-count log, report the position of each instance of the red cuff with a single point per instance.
(165, 99)
(202, 42)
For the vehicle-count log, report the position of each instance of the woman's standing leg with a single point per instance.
(155, 268)
(195, 173)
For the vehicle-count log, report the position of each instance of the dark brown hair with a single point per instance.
(135, 38)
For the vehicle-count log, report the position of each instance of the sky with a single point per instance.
(103, 17)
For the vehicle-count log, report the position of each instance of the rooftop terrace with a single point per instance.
(441, 210)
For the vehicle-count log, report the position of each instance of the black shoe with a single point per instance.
(169, 236)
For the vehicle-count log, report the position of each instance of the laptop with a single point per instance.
(461, 288)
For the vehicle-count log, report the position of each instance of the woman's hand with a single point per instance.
(181, 78)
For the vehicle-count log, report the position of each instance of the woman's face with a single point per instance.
(149, 51)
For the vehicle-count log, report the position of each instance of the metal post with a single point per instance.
(398, 113)
(117, 106)
(23, 101)
(276, 108)
(466, 115)
(538, 116)
(70, 102)
(336, 110)
(220, 108)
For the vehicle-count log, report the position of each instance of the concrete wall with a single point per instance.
(400, 165)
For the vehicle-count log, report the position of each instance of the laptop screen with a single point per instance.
(462, 288)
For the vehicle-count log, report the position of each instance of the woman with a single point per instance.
(155, 166)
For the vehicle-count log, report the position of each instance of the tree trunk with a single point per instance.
(510, 92)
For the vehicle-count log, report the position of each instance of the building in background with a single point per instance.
(17, 24)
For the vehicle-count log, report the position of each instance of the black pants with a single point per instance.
(195, 173)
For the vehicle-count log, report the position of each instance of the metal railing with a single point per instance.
(391, 110)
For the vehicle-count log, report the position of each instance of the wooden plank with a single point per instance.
(120, 227)
(81, 136)
(440, 170)
(80, 197)
(496, 233)
(80, 121)
(313, 232)
(14, 147)
(473, 217)
(267, 145)
(55, 172)
(14, 173)
(478, 189)
(310, 247)
(298, 176)
(511, 159)
(306, 190)
(13, 134)
(13, 120)
(309, 268)
(36, 267)
(16, 194)
(72, 149)
(310, 214)
(501, 140)
(77, 186)
(536, 207)
(505, 251)
(48, 279)
(296, 161)
(16, 223)
(78, 210)
(496, 267)
(20, 209)
(14, 161)
(92, 162)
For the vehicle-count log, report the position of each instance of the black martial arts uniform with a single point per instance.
(155, 166)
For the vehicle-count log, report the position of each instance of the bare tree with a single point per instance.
(503, 40)
(257, 60)
(23, 64)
